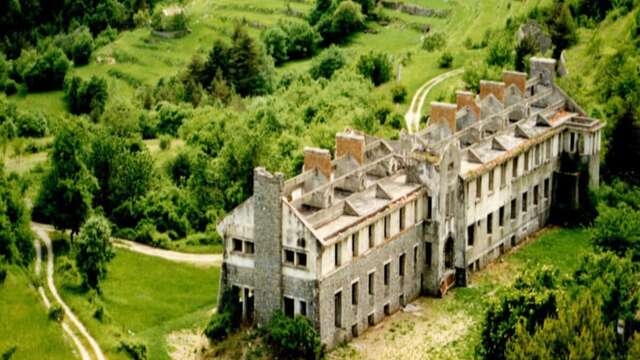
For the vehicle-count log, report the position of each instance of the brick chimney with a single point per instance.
(315, 158)
(467, 99)
(444, 113)
(492, 87)
(519, 79)
(350, 143)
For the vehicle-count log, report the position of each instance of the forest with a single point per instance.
(99, 140)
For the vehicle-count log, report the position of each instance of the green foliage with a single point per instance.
(617, 229)
(227, 319)
(65, 195)
(86, 97)
(293, 338)
(327, 63)
(562, 29)
(375, 66)
(524, 49)
(302, 39)
(165, 142)
(56, 313)
(94, 251)
(500, 53)
(250, 71)
(336, 20)
(3, 270)
(433, 41)
(276, 43)
(170, 117)
(135, 349)
(577, 332)
(82, 47)
(398, 93)
(527, 303)
(177, 21)
(15, 233)
(46, 71)
(474, 71)
(446, 60)
(31, 124)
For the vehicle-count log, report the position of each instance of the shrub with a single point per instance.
(170, 118)
(500, 54)
(219, 327)
(303, 40)
(398, 93)
(375, 66)
(165, 142)
(433, 41)
(82, 46)
(445, 60)
(135, 349)
(276, 44)
(10, 87)
(47, 72)
(227, 319)
(56, 313)
(3, 270)
(105, 36)
(31, 124)
(86, 97)
(293, 338)
(347, 18)
(396, 120)
(327, 63)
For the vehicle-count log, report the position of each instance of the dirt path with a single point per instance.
(412, 117)
(84, 354)
(205, 260)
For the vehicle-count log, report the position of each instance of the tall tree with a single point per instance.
(94, 251)
(563, 29)
(15, 234)
(249, 70)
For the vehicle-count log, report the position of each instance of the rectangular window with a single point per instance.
(538, 154)
(535, 195)
(415, 258)
(401, 264)
(572, 142)
(387, 309)
(288, 306)
(491, 180)
(429, 207)
(524, 202)
(501, 216)
(372, 235)
(427, 254)
(372, 279)
(387, 227)
(303, 308)
(337, 258)
(371, 319)
(354, 244)
(513, 209)
(237, 245)
(403, 218)
(248, 247)
(503, 175)
(471, 229)
(387, 269)
(546, 188)
(490, 223)
(354, 293)
(302, 259)
(548, 150)
(337, 302)
(479, 188)
(289, 257)
(514, 169)
(354, 330)
(526, 161)
(415, 211)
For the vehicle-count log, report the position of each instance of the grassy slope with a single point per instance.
(449, 328)
(24, 322)
(146, 298)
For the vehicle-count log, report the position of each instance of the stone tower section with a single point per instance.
(267, 189)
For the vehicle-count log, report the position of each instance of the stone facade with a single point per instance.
(353, 239)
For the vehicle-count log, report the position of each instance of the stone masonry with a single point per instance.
(355, 238)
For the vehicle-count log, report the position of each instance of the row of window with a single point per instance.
(546, 190)
(290, 308)
(243, 246)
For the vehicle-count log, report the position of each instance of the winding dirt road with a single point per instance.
(412, 117)
(84, 354)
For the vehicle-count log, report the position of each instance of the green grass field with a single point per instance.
(449, 328)
(24, 323)
(145, 298)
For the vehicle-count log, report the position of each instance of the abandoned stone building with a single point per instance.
(355, 237)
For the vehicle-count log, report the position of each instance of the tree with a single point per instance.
(327, 63)
(48, 71)
(347, 19)
(531, 299)
(617, 229)
(250, 72)
(276, 44)
(82, 47)
(562, 29)
(15, 234)
(66, 191)
(86, 97)
(500, 53)
(526, 47)
(303, 39)
(375, 66)
(94, 251)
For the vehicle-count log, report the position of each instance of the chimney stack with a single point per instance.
(543, 68)
(492, 87)
(467, 99)
(444, 113)
(519, 79)
(350, 143)
(320, 159)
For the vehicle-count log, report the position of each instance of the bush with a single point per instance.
(303, 40)
(170, 118)
(219, 327)
(105, 36)
(56, 313)
(276, 43)
(375, 66)
(135, 349)
(500, 54)
(86, 97)
(433, 41)
(3, 270)
(47, 72)
(165, 142)
(347, 19)
(10, 87)
(398, 93)
(293, 338)
(31, 124)
(227, 319)
(327, 63)
(445, 60)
